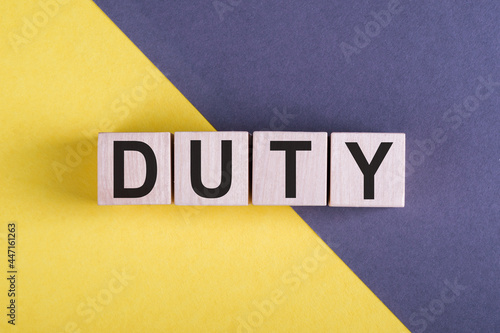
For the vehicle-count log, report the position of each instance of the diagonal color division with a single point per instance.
(68, 73)
(429, 70)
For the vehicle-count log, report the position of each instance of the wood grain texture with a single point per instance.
(269, 169)
(211, 168)
(135, 168)
(347, 179)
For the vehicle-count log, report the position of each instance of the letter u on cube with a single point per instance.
(266, 168)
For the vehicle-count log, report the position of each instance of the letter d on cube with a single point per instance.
(134, 169)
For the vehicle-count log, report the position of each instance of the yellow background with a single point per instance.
(189, 269)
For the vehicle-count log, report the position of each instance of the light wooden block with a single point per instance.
(348, 185)
(140, 151)
(217, 183)
(270, 172)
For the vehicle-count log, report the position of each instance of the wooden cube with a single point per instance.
(211, 168)
(367, 170)
(289, 168)
(134, 168)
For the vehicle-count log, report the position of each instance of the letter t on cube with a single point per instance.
(289, 168)
(367, 170)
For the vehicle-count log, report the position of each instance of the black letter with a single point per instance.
(290, 148)
(369, 170)
(119, 165)
(226, 170)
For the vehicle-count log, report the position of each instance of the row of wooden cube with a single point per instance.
(284, 168)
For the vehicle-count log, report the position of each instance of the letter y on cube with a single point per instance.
(367, 170)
